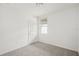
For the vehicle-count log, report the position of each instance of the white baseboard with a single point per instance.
(58, 46)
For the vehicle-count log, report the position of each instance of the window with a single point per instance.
(43, 26)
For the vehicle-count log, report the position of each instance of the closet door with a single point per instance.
(32, 30)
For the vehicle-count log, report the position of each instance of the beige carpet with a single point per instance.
(41, 49)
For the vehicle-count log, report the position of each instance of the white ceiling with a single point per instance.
(34, 10)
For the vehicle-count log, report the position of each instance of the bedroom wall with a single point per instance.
(62, 29)
(78, 27)
(14, 29)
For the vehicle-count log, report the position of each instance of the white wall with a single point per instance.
(78, 27)
(62, 29)
(14, 29)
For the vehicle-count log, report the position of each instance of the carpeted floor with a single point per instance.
(41, 49)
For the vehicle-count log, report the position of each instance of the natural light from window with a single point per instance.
(44, 26)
